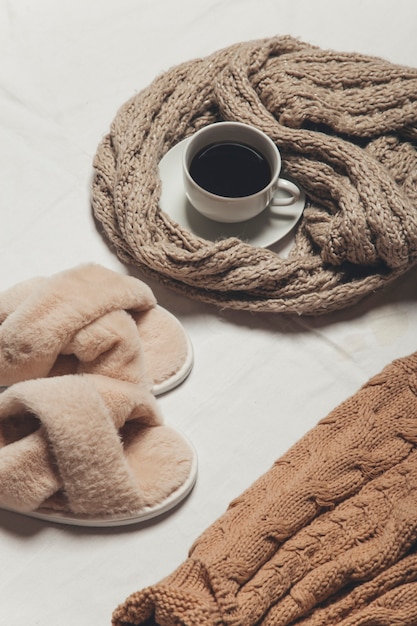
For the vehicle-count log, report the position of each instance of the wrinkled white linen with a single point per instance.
(259, 381)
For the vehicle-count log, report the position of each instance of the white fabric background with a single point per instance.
(259, 381)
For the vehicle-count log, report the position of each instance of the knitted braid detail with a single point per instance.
(308, 541)
(346, 125)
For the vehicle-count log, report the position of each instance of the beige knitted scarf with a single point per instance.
(346, 125)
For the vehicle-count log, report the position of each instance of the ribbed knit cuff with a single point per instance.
(184, 597)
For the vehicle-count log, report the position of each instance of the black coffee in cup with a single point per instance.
(230, 169)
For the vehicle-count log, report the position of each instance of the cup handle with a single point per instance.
(292, 193)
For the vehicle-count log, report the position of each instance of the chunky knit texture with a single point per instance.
(346, 125)
(327, 536)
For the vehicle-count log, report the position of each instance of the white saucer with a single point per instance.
(261, 231)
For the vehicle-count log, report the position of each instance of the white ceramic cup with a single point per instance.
(237, 209)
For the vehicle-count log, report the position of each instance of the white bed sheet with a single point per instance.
(259, 381)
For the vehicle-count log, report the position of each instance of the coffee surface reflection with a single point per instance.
(230, 169)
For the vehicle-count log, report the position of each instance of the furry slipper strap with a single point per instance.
(86, 447)
(90, 319)
(81, 434)
(49, 312)
(326, 536)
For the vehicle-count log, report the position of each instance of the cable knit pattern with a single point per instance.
(327, 536)
(346, 127)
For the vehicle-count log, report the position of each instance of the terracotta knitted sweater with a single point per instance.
(327, 536)
(346, 125)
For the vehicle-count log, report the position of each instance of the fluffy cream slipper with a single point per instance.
(90, 319)
(89, 450)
